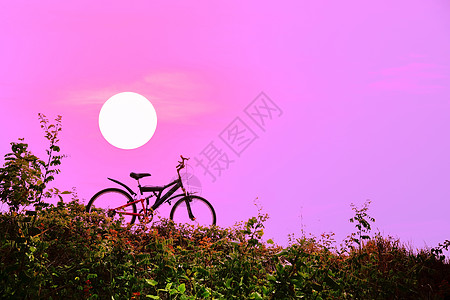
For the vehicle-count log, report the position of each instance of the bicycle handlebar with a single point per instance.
(180, 166)
(181, 163)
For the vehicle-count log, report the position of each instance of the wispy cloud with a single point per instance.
(87, 97)
(413, 77)
(177, 96)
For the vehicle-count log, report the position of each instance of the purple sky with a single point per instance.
(363, 87)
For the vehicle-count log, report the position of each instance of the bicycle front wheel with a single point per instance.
(202, 211)
(111, 201)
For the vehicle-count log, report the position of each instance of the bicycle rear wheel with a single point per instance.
(202, 210)
(109, 200)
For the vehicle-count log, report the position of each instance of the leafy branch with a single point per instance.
(362, 220)
(51, 134)
(24, 177)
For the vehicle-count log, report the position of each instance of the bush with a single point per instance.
(69, 253)
(62, 252)
(24, 176)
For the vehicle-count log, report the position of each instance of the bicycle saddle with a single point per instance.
(139, 175)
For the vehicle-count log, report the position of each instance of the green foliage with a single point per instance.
(362, 218)
(50, 168)
(24, 176)
(362, 223)
(21, 177)
(68, 253)
(62, 252)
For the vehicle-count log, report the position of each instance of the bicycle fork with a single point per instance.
(186, 196)
(188, 205)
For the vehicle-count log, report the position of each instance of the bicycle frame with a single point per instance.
(177, 183)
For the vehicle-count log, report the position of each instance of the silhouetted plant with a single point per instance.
(21, 177)
(362, 223)
(50, 168)
(24, 176)
(438, 251)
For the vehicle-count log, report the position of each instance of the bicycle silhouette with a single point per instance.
(120, 204)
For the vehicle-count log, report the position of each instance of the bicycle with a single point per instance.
(122, 204)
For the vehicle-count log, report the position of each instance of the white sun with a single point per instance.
(127, 120)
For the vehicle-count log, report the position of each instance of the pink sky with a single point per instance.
(364, 90)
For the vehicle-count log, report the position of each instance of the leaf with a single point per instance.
(282, 252)
(255, 295)
(269, 241)
(228, 283)
(206, 294)
(152, 297)
(151, 282)
(182, 288)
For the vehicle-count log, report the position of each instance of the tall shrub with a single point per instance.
(24, 176)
